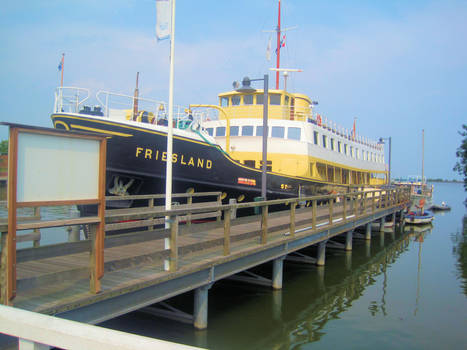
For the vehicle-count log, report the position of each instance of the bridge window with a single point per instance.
(248, 99)
(293, 133)
(345, 149)
(325, 139)
(224, 101)
(247, 130)
(332, 144)
(220, 131)
(234, 130)
(275, 99)
(235, 100)
(210, 131)
(339, 146)
(259, 99)
(277, 131)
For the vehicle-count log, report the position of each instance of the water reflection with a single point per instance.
(459, 241)
(335, 293)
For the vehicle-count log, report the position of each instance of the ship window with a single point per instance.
(345, 149)
(234, 130)
(247, 130)
(210, 131)
(220, 131)
(259, 99)
(235, 100)
(275, 99)
(332, 144)
(268, 165)
(351, 152)
(277, 131)
(286, 100)
(259, 130)
(224, 101)
(248, 99)
(250, 163)
(315, 137)
(324, 141)
(293, 133)
(339, 146)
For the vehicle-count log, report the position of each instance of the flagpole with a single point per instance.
(168, 175)
(63, 68)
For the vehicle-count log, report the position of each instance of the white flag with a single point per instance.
(163, 19)
(268, 49)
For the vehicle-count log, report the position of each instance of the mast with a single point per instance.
(278, 50)
(135, 98)
(423, 155)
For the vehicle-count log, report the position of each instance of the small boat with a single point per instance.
(443, 206)
(420, 217)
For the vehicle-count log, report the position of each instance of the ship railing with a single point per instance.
(70, 99)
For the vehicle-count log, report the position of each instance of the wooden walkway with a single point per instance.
(55, 279)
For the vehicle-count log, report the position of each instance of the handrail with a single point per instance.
(34, 329)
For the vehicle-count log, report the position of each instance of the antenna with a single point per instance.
(286, 73)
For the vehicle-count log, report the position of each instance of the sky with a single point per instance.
(398, 66)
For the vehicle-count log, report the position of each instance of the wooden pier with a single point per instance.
(151, 263)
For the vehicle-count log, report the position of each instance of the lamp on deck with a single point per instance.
(382, 142)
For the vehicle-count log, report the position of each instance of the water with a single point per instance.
(406, 291)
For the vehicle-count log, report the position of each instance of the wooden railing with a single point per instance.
(321, 212)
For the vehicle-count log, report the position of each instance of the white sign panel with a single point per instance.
(55, 168)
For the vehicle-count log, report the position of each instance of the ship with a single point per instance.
(221, 147)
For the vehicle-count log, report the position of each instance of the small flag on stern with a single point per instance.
(163, 19)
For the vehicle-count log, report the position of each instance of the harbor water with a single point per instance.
(404, 290)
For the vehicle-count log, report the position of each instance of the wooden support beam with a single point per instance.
(264, 224)
(313, 214)
(173, 263)
(293, 205)
(227, 214)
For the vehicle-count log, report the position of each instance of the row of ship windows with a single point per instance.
(295, 134)
(237, 100)
(351, 151)
(249, 130)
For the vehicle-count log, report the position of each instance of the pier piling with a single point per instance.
(348, 240)
(321, 258)
(200, 314)
(368, 231)
(277, 272)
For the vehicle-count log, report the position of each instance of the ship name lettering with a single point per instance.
(148, 153)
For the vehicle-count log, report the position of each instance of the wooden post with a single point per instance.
(189, 203)
(331, 207)
(173, 264)
(95, 283)
(151, 205)
(355, 206)
(344, 207)
(219, 202)
(313, 214)
(37, 242)
(227, 213)
(373, 202)
(264, 224)
(293, 205)
(364, 202)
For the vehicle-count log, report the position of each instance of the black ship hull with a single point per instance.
(136, 164)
